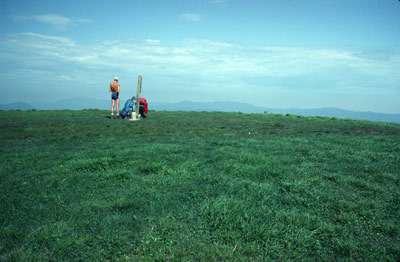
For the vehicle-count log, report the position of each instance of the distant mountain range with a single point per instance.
(17, 106)
(79, 104)
(249, 108)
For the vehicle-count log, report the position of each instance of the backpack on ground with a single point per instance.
(129, 104)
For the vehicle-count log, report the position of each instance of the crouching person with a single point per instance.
(129, 104)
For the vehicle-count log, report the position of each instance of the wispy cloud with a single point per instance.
(219, 1)
(257, 71)
(200, 56)
(191, 17)
(56, 21)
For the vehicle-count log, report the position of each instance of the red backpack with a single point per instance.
(143, 102)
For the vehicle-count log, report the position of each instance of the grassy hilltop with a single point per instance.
(197, 186)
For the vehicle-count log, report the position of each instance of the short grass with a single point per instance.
(197, 186)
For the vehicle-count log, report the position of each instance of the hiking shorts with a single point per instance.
(115, 96)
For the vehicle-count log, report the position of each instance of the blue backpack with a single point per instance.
(123, 113)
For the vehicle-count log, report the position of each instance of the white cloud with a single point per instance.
(197, 56)
(198, 66)
(201, 57)
(191, 17)
(219, 1)
(152, 41)
(58, 22)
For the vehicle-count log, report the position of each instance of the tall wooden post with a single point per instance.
(135, 116)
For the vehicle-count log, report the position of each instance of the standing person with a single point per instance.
(114, 89)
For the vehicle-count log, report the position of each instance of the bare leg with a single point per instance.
(112, 106)
(117, 106)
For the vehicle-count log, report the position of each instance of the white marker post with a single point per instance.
(135, 115)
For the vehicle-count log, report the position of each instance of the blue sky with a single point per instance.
(272, 53)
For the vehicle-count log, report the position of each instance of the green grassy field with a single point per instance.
(197, 186)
